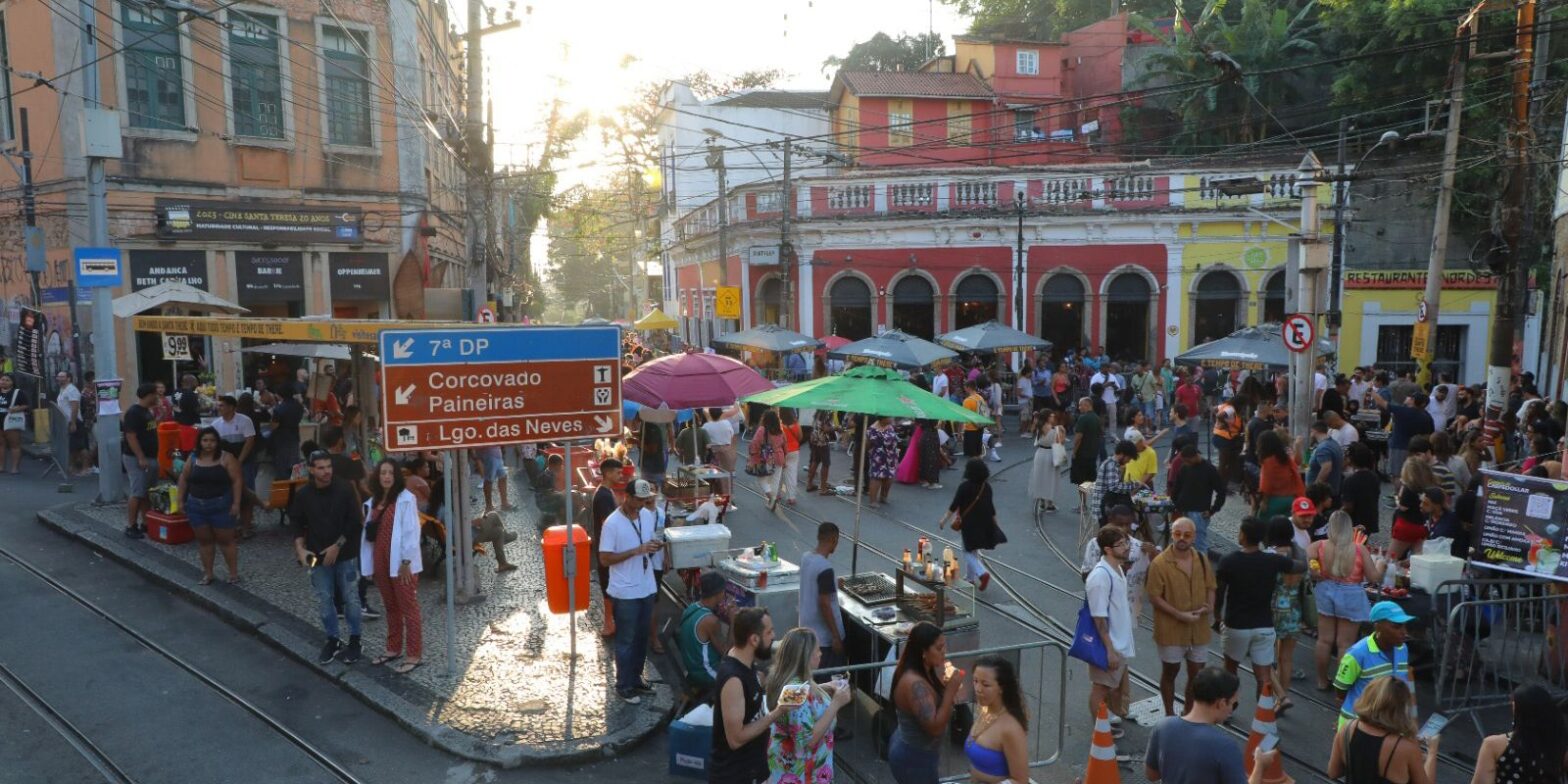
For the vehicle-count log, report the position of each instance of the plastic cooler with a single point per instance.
(1429, 570)
(693, 546)
(690, 748)
(554, 545)
(168, 528)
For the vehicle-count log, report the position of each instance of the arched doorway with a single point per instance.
(849, 308)
(1127, 317)
(914, 307)
(975, 301)
(1274, 299)
(1216, 306)
(766, 308)
(1061, 312)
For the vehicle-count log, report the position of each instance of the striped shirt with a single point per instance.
(1364, 663)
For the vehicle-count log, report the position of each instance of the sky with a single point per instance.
(584, 42)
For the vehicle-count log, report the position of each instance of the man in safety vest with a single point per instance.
(1380, 654)
(1227, 439)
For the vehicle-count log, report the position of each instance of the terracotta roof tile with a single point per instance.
(915, 84)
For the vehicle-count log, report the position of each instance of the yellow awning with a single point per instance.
(657, 319)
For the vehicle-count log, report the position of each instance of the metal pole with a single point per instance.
(450, 521)
(476, 162)
(467, 585)
(786, 251)
(1018, 269)
(1341, 195)
(571, 558)
(1433, 292)
(105, 352)
(860, 492)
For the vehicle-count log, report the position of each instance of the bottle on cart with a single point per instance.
(907, 562)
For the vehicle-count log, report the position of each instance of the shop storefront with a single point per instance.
(1380, 309)
(272, 284)
(150, 268)
(360, 284)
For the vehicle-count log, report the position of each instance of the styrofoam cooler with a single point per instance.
(693, 546)
(1429, 570)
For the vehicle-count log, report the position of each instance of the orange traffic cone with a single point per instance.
(1102, 754)
(1262, 725)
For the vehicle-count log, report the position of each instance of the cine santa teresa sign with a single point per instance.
(499, 385)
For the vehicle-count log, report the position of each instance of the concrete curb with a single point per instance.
(293, 637)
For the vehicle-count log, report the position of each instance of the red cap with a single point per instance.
(1303, 506)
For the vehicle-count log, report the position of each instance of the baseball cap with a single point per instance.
(1389, 611)
(710, 584)
(642, 488)
(1303, 506)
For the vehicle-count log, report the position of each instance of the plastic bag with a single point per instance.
(700, 716)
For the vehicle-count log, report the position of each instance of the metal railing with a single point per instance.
(868, 765)
(1494, 635)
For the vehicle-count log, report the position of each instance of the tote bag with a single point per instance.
(17, 421)
(1088, 645)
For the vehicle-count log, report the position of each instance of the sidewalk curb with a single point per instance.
(292, 637)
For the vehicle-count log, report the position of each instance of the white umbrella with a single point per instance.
(175, 294)
(311, 350)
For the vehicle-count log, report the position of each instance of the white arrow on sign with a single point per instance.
(604, 423)
(403, 394)
(402, 349)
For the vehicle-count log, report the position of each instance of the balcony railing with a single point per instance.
(970, 195)
(849, 197)
(919, 195)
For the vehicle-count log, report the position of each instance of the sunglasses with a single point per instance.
(318, 455)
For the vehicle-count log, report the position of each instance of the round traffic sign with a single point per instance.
(1297, 332)
(1421, 312)
(486, 316)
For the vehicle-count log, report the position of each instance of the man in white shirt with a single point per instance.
(1340, 430)
(1319, 386)
(721, 441)
(1359, 384)
(939, 385)
(1440, 407)
(1112, 385)
(1106, 593)
(69, 400)
(628, 544)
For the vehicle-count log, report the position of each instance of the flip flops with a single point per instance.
(407, 667)
(388, 659)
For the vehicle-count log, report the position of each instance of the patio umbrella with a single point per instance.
(312, 350)
(867, 390)
(594, 321)
(176, 295)
(1249, 348)
(895, 349)
(993, 337)
(691, 380)
(656, 319)
(770, 337)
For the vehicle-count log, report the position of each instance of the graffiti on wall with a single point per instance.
(16, 291)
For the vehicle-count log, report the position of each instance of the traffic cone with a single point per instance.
(1102, 754)
(1263, 724)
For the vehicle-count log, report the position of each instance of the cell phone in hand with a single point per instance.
(1433, 727)
(1269, 743)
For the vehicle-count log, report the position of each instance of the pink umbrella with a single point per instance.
(692, 380)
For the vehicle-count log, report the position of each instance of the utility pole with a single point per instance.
(1499, 371)
(105, 352)
(1341, 195)
(1309, 262)
(1422, 335)
(477, 205)
(786, 250)
(1018, 267)
(715, 161)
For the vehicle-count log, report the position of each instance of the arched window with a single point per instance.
(767, 310)
(914, 307)
(849, 308)
(1274, 299)
(976, 301)
(1061, 312)
(1127, 319)
(1216, 304)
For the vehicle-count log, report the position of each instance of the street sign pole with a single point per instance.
(570, 567)
(451, 545)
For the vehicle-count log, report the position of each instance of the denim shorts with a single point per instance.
(212, 512)
(1346, 601)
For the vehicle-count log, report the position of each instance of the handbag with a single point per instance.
(18, 420)
(1058, 454)
(1088, 646)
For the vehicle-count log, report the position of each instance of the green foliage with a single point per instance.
(1046, 20)
(532, 191)
(882, 52)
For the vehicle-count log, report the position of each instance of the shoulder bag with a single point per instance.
(1088, 646)
(18, 420)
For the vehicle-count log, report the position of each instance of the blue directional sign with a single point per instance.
(97, 267)
(487, 386)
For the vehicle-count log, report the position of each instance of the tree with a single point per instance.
(882, 52)
(1046, 20)
(532, 190)
(705, 85)
(593, 249)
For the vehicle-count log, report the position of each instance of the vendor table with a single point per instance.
(773, 586)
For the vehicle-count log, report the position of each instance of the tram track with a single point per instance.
(1048, 627)
(94, 755)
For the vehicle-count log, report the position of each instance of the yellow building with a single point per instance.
(1380, 309)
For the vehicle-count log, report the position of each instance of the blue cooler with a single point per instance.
(689, 750)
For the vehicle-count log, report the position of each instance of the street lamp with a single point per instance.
(1341, 196)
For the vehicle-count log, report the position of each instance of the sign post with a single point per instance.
(497, 386)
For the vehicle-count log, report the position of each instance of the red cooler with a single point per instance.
(168, 528)
(554, 544)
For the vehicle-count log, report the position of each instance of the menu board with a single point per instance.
(1523, 523)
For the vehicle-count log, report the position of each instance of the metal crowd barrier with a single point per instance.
(863, 757)
(1494, 635)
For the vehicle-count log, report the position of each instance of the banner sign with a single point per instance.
(152, 267)
(260, 222)
(359, 277)
(27, 346)
(268, 277)
(1416, 279)
(1523, 522)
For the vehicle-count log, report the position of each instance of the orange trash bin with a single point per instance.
(554, 544)
(168, 441)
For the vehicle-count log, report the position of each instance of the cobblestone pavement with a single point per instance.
(513, 684)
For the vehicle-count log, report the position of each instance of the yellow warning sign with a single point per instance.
(726, 303)
(1420, 340)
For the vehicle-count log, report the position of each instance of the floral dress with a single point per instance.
(1287, 603)
(789, 762)
(882, 455)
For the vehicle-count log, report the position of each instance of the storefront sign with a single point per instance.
(285, 330)
(359, 277)
(151, 267)
(258, 222)
(1523, 522)
(270, 277)
(1416, 279)
(27, 347)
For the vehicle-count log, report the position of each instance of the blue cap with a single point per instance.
(1390, 611)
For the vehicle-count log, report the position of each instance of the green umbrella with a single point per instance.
(866, 389)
